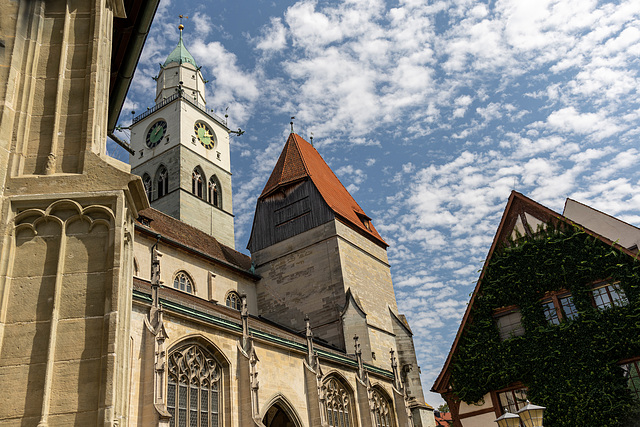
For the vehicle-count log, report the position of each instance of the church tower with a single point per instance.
(182, 150)
(319, 255)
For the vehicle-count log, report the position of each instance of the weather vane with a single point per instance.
(181, 27)
(291, 123)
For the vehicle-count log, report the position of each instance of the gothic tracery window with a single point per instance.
(196, 183)
(193, 396)
(234, 301)
(183, 282)
(163, 181)
(337, 404)
(215, 198)
(382, 410)
(146, 182)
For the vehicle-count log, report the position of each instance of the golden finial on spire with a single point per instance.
(181, 27)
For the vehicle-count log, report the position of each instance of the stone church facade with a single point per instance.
(122, 298)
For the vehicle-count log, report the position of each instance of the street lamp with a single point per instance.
(508, 420)
(531, 415)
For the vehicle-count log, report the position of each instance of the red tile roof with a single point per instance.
(299, 161)
(191, 238)
(444, 419)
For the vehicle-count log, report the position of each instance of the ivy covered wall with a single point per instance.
(571, 368)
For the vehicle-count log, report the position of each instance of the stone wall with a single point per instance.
(302, 276)
(275, 387)
(200, 213)
(67, 220)
(212, 281)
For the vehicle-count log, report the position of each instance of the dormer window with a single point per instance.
(366, 221)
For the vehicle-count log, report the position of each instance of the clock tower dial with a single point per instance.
(156, 132)
(204, 135)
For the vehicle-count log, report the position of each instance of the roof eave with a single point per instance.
(132, 51)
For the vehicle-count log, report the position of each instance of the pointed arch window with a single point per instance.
(233, 300)
(163, 181)
(193, 392)
(382, 409)
(337, 403)
(146, 182)
(215, 196)
(183, 282)
(197, 184)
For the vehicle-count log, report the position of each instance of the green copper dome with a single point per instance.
(180, 55)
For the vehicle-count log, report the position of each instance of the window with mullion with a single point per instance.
(632, 373)
(234, 301)
(196, 183)
(609, 295)
(192, 392)
(550, 312)
(509, 324)
(512, 400)
(568, 307)
(382, 409)
(163, 182)
(182, 281)
(338, 403)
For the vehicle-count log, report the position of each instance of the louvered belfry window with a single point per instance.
(337, 404)
(193, 396)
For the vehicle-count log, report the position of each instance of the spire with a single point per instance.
(299, 161)
(180, 54)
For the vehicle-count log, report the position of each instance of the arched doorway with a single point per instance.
(276, 416)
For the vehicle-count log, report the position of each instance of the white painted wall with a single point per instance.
(612, 228)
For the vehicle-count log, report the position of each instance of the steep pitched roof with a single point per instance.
(154, 222)
(299, 161)
(519, 213)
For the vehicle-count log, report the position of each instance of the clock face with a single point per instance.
(204, 134)
(157, 131)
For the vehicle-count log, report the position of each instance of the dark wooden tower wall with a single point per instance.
(286, 213)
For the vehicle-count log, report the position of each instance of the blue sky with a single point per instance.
(430, 113)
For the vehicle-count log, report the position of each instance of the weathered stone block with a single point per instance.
(30, 299)
(25, 343)
(79, 339)
(24, 384)
(85, 252)
(76, 386)
(81, 419)
(83, 294)
(37, 256)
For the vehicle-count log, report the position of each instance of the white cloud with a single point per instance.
(274, 37)
(451, 104)
(570, 120)
(462, 103)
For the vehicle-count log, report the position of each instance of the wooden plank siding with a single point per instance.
(287, 213)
